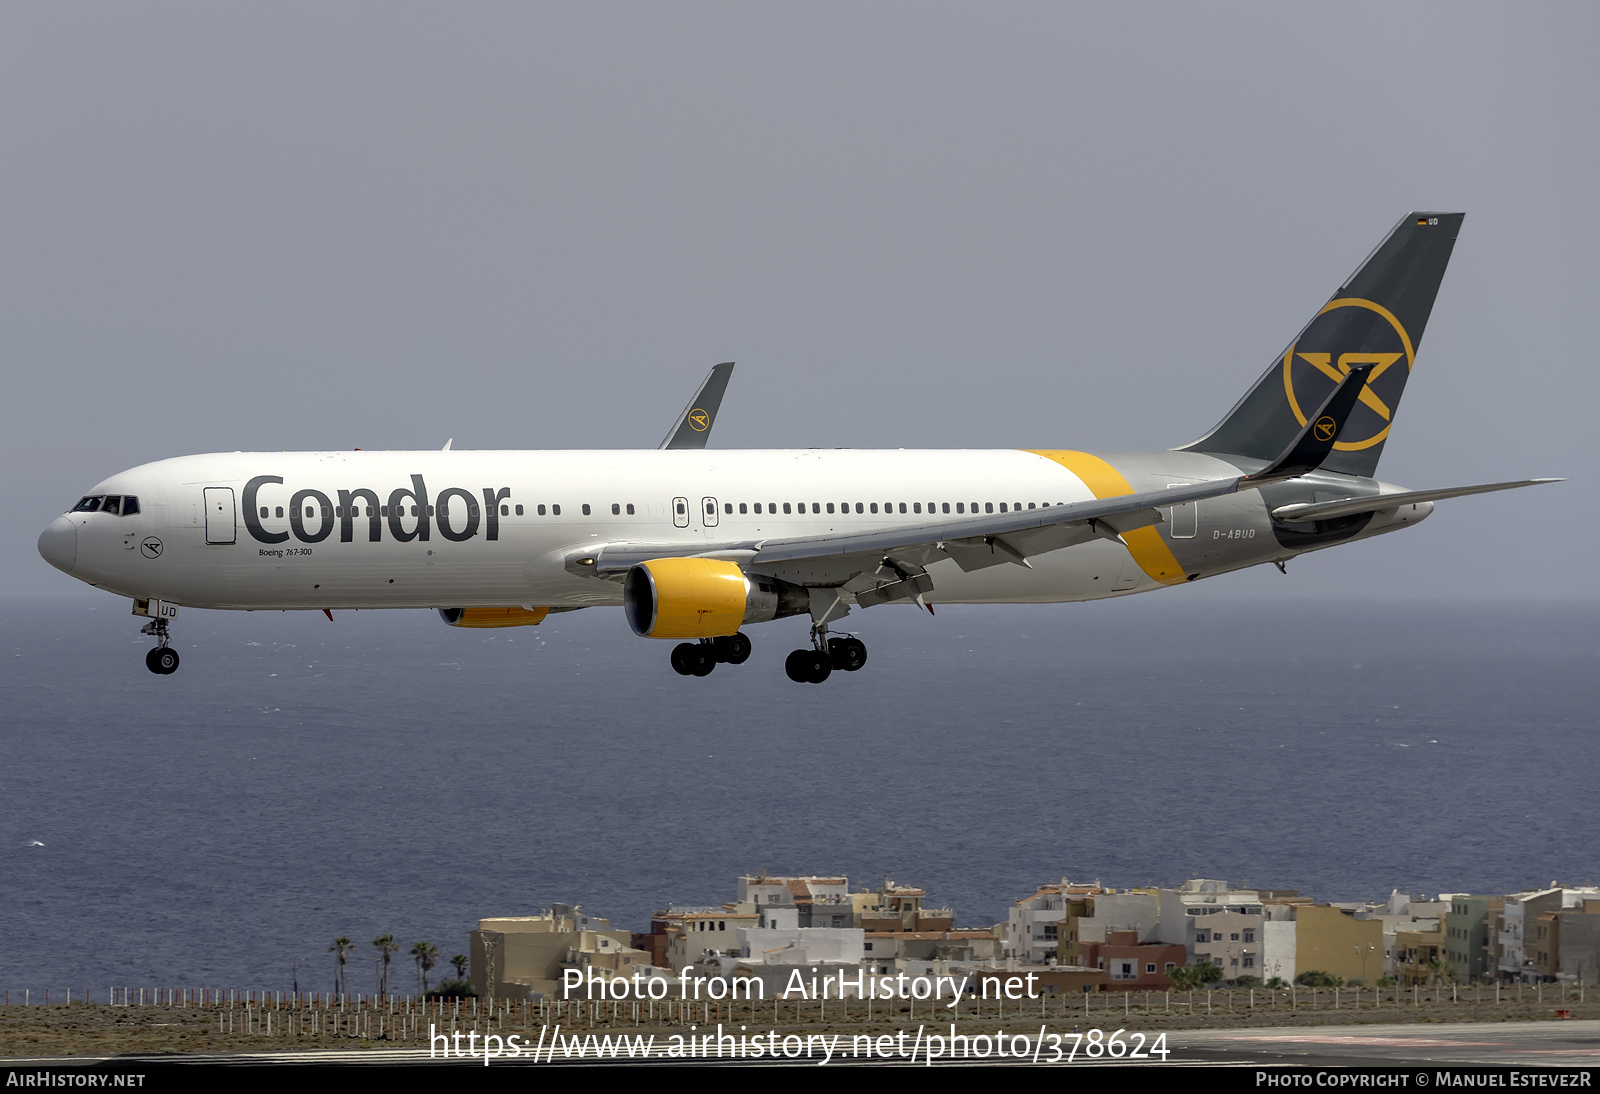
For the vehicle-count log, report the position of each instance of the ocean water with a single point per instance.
(299, 779)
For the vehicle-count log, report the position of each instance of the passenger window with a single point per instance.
(555, 510)
(946, 507)
(279, 510)
(541, 510)
(727, 507)
(1031, 505)
(616, 509)
(916, 507)
(519, 510)
(585, 508)
(630, 508)
(473, 509)
(830, 507)
(369, 510)
(902, 507)
(263, 510)
(786, 508)
(816, 507)
(988, 507)
(758, 508)
(874, 507)
(1002, 507)
(682, 511)
(743, 508)
(505, 510)
(858, 507)
(961, 507)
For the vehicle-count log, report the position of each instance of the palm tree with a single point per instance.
(426, 954)
(386, 946)
(341, 946)
(461, 961)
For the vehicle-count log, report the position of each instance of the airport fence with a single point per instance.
(396, 1018)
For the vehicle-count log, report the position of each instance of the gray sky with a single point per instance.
(913, 225)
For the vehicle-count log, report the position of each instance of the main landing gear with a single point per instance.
(163, 660)
(699, 658)
(815, 665)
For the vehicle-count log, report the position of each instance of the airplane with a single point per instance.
(694, 544)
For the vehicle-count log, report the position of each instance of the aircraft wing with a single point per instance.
(693, 426)
(891, 563)
(974, 542)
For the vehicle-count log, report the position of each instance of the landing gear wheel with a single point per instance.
(693, 659)
(681, 654)
(848, 654)
(808, 666)
(163, 660)
(734, 649)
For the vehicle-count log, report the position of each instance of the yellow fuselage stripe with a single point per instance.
(1146, 546)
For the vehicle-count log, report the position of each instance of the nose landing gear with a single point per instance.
(163, 660)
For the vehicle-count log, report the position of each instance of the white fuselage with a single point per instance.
(330, 530)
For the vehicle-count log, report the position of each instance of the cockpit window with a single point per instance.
(117, 504)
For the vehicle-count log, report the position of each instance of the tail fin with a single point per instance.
(1376, 318)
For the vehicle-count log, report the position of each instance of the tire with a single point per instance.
(701, 659)
(681, 658)
(818, 667)
(847, 654)
(734, 649)
(163, 660)
(798, 666)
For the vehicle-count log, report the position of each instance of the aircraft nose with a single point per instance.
(59, 544)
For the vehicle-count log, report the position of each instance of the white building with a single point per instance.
(817, 901)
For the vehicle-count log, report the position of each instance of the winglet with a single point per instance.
(694, 424)
(1314, 442)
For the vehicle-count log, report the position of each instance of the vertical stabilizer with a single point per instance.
(1376, 318)
(693, 427)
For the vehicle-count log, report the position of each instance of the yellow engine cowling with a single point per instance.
(703, 598)
(493, 617)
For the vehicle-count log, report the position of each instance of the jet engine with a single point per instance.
(703, 598)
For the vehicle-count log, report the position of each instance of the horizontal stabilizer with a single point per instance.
(1328, 510)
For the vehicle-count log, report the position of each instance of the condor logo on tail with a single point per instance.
(1344, 333)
